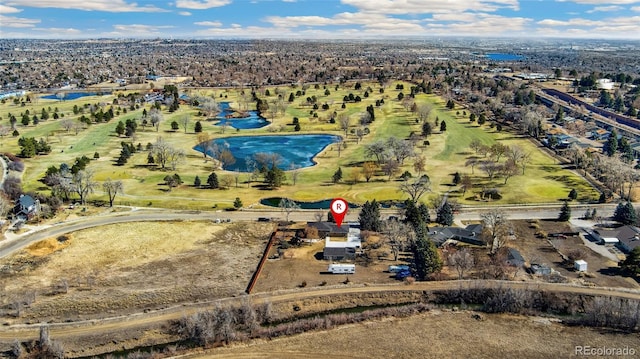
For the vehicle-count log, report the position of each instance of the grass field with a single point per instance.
(544, 180)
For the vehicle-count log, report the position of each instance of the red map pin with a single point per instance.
(339, 209)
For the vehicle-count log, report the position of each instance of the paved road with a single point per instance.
(15, 243)
(110, 325)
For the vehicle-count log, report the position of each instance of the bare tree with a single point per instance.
(462, 261)
(287, 205)
(184, 120)
(161, 150)
(112, 188)
(175, 157)
(416, 188)
(295, 173)
(495, 228)
(343, 121)
(491, 168)
(66, 124)
(203, 140)
(424, 111)
(368, 170)
(83, 184)
(210, 107)
(156, 117)
(396, 234)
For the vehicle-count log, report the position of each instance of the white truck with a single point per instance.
(342, 268)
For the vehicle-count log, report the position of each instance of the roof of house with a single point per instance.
(334, 252)
(470, 234)
(628, 235)
(353, 240)
(514, 257)
(330, 227)
(26, 201)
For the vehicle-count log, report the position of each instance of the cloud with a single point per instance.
(184, 13)
(635, 8)
(605, 9)
(57, 32)
(570, 22)
(432, 6)
(4, 9)
(208, 23)
(137, 30)
(201, 4)
(93, 5)
(289, 0)
(17, 22)
(601, 2)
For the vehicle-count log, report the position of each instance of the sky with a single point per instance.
(322, 19)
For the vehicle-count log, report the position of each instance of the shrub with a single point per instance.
(17, 166)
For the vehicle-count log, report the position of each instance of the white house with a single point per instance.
(339, 250)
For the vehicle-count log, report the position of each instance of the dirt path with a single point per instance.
(111, 325)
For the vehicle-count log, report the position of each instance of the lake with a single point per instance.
(294, 149)
(70, 95)
(254, 120)
(504, 57)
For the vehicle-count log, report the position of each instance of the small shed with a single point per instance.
(580, 265)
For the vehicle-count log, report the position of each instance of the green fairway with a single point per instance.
(447, 153)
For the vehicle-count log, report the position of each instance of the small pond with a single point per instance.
(323, 204)
(254, 120)
(298, 150)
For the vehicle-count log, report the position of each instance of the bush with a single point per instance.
(17, 166)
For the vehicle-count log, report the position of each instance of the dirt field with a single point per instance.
(124, 268)
(602, 271)
(305, 264)
(437, 334)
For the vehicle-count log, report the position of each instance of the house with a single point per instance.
(337, 250)
(470, 234)
(514, 258)
(25, 206)
(329, 229)
(600, 134)
(628, 237)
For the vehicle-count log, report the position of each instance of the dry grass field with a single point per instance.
(436, 334)
(122, 268)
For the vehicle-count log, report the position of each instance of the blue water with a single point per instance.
(504, 57)
(323, 204)
(293, 149)
(70, 95)
(253, 121)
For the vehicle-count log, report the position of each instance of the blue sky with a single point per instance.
(305, 19)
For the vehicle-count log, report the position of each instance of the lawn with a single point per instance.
(447, 153)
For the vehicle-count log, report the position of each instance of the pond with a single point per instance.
(254, 120)
(504, 57)
(323, 204)
(70, 95)
(298, 150)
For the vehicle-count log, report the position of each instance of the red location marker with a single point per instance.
(339, 209)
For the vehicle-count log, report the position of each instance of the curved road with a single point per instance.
(157, 318)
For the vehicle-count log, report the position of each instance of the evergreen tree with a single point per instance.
(632, 263)
(415, 215)
(443, 126)
(237, 204)
(120, 128)
(337, 176)
(456, 178)
(274, 177)
(611, 146)
(425, 254)
(445, 214)
(625, 213)
(370, 217)
(196, 182)
(573, 194)
(426, 129)
(212, 181)
(565, 212)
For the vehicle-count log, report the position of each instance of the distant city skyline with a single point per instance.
(319, 19)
